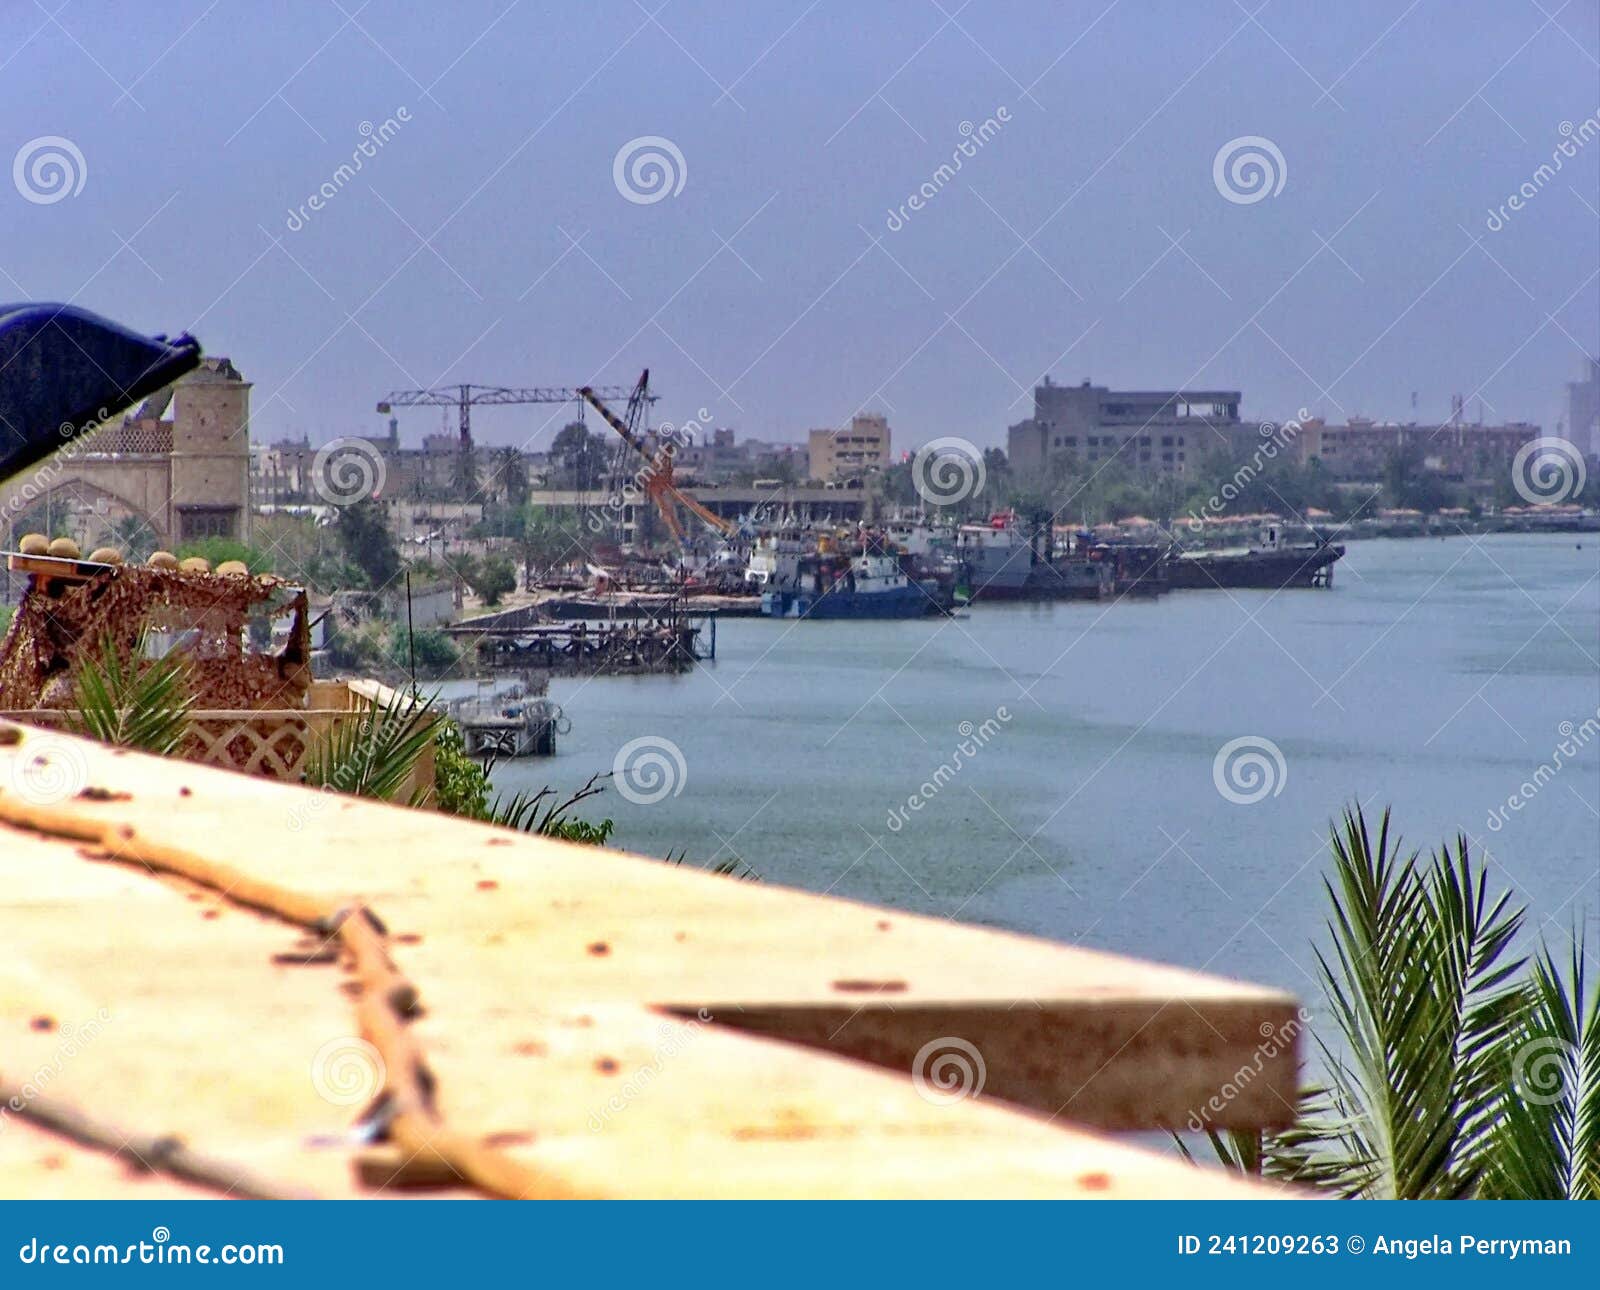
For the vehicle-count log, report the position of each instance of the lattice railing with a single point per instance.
(271, 743)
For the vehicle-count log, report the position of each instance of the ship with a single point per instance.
(1300, 565)
(996, 558)
(861, 586)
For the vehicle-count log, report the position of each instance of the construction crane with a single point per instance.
(465, 397)
(656, 477)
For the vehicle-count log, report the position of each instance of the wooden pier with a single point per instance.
(641, 643)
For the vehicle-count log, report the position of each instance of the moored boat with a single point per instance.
(862, 586)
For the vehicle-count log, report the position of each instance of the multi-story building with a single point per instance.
(709, 459)
(1583, 409)
(1361, 450)
(1163, 432)
(842, 454)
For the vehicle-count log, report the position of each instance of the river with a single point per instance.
(1054, 768)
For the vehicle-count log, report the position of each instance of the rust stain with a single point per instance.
(487, 884)
(506, 1139)
(870, 987)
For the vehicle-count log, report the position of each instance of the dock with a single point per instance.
(520, 722)
(635, 641)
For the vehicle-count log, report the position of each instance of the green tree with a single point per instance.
(218, 550)
(464, 483)
(495, 575)
(509, 478)
(580, 455)
(367, 543)
(544, 541)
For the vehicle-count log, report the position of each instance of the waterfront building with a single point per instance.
(1166, 432)
(846, 454)
(1583, 409)
(1360, 450)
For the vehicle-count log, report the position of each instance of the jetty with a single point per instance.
(520, 722)
(630, 641)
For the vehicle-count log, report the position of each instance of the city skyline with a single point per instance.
(914, 210)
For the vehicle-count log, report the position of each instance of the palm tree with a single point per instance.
(131, 701)
(1459, 1074)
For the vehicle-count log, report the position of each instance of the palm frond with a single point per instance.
(1418, 984)
(732, 867)
(375, 755)
(131, 701)
(1545, 1144)
(546, 813)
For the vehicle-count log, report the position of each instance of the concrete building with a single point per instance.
(715, 458)
(841, 454)
(184, 478)
(1458, 450)
(1164, 432)
(1583, 409)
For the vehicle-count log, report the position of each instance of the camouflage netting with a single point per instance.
(205, 615)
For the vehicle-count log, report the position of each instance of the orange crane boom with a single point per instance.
(657, 478)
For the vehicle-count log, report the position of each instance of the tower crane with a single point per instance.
(465, 397)
(657, 474)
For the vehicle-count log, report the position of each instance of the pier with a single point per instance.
(645, 641)
(520, 722)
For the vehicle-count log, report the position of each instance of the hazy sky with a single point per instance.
(488, 240)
